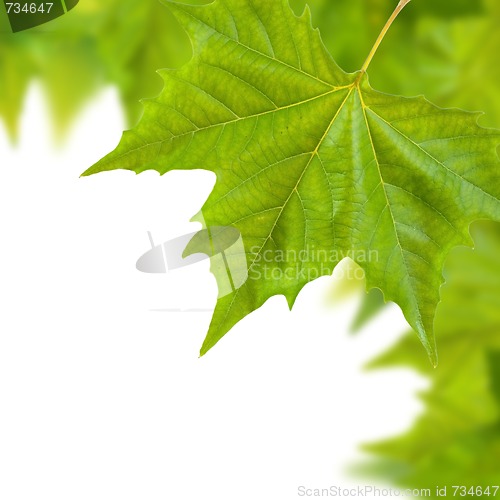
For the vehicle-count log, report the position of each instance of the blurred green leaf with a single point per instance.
(15, 67)
(457, 438)
(97, 43)
(65, 62)
(373, 302)
(136, 39)
(458, 62)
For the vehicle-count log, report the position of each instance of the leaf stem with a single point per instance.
(402, 4)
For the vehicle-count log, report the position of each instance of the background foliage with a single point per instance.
(456, 441)
(445, 50)
(451, 49)
(98, 43)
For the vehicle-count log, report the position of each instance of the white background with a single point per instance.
(101, 397)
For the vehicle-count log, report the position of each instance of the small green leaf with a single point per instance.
(372, 303)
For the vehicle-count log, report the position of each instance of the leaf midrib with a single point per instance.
(396, 234)
(313, 154)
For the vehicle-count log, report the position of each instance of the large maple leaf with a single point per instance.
(312, 164)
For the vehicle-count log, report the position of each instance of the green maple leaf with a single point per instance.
(311, 159)
(457, 438)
